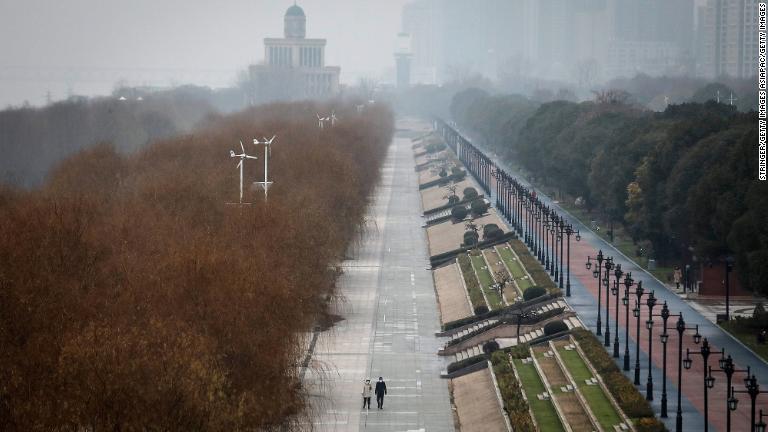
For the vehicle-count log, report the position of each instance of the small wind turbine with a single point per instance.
(733, 98)
(333, 118)
(321, 121)
(243, 156)
(267, 153)
(360, 108)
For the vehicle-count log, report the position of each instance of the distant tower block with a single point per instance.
(403, 60)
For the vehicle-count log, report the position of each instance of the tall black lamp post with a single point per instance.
(615, 291)
(664, 339)
(569, 231)
(651, 303)
(607, 282)
(628, 282)
(726, 366)
(728, 270)
(636, 312)
(596, 273)
(753, 390)
(709, 381)
(681, 328)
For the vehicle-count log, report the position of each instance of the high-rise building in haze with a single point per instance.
(580, 41)
(294, 66)
(727, 38)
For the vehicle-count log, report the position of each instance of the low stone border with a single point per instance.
(552, 397)
(498, 397)
(522, 392)
(615, 404)
(576, 390)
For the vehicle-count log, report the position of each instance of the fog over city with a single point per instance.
(53, 50)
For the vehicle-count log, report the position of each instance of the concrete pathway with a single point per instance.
(390, 317)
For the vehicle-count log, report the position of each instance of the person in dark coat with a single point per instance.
(381, 390)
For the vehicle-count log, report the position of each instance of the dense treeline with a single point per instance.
(132, 297)
(32, 140)
(683, 177)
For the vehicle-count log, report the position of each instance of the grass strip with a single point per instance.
(523, 282)
(598, 402)
(486, 281)
(543, 410)
(473, 287)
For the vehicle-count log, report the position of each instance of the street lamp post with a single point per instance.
(608, 267)
(726, 366)
(651, 302)
(568, 232)
(537, 241)
(560, 240)
(596, 274)
(636, 312)
(709, 381)
(553, 232)
(728, 270)
(753, 390)
(681, 328)
(628, 282)
(615, 291)
(664, 339)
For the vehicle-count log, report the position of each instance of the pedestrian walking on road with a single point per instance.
(381, 390)
(677, 276)
(367, 393)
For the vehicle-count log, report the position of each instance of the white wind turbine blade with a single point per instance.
(239, 164)
(241, 146)
(250, 157)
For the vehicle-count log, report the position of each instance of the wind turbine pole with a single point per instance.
(241, 182)
(266, 168)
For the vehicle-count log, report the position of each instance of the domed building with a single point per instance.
(294, 66)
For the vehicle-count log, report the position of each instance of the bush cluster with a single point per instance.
(492, 232)
(554, 327)
(478, 207)
(435, 147)
(511, 393)
(132, 297)
(470, 193)
(470, 238)
(459, 212)
(533, 292)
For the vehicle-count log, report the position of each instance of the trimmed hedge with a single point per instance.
(626, 394)
(537, 272)
(470, 238)
(553, 327)
(473, 286)
(511, 393)
(533, 292)
(470, 193)
(453, 367)
(435, 147)
(459, 212)
(490, 346)
(478, 207)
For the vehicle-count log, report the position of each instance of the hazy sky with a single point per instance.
(192, 35)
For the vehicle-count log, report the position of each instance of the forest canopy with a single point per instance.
(133, 297)
(682, 178)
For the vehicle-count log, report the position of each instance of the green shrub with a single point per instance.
(459, 213)
(435, 147)
(489, 227)
(453, 367)
(511, 393)
(533, 292)
(443, 173)
(554, 327)
(456, 170)
(493, 234)
(478, 207)
(473, 286)
(650, 424)
(481, 309)
(490, 346)
(519, 351)
(470, 238)
(470, 193)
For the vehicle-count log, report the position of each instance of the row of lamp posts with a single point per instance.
(544, 232)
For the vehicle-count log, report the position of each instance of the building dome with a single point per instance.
(295, 22)
(295, 11)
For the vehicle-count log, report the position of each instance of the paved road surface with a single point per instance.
(390, 317)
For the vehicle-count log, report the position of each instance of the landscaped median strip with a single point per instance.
(476, 296)
(519, 275)
(539, 399)
(486, 281)
(589, 385)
